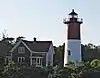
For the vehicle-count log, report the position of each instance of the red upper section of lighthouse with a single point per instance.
(74, 31)
(73, 25)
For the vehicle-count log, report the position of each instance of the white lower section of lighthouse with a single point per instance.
(74, 46)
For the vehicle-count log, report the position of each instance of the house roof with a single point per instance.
(38, 46)
(4, 48)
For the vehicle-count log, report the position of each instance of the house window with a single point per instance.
(37, 61)
(21, 59)
(21, 50)
(7, 59)
(34, 61)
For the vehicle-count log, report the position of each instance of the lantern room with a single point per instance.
(73, 15)
(72, 18)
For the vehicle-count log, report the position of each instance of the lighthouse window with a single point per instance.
(69, 53)
(73, 16)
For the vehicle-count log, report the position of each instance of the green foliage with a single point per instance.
(70, 62)
(14, 70)
(95, 63)
(59, 55)
(90, 52)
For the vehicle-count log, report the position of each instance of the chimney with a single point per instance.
(34, 39)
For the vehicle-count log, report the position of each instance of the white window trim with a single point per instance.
(40, 65)
(21, 49)
(40, 62)
(21, 58)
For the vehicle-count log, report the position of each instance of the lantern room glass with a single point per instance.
(71, 16)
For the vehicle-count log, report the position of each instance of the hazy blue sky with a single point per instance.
(43, 19)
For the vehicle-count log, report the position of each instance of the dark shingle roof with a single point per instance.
(38, 46)
(4, 48)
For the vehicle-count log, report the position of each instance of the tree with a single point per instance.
(7, 39)
(59, 55)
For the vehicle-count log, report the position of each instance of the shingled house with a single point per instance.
(38, 53)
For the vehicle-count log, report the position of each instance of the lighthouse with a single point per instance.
(73, 39)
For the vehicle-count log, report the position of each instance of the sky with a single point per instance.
(43, 19)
